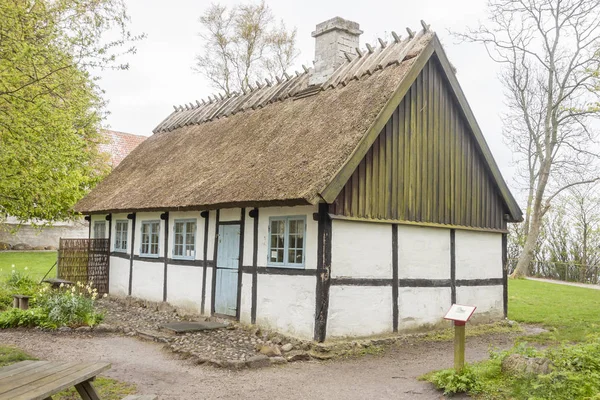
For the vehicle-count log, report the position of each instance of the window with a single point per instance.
(99, 230)
(184, 241)
(150, 234)
(286, 241)
(121, 235)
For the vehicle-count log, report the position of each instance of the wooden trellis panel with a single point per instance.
(84, 260)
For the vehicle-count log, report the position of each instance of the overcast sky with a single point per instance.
(161, 74)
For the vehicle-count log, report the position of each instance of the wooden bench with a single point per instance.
(39, 380)
(21, 301)
(55, 282)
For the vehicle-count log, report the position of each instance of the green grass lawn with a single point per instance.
(109, 389)
(570, 313)
(36, 262)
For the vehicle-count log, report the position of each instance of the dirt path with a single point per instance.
(154, 370)
(557, 282)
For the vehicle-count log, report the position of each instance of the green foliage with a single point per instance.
(575, 375)
(17, 282)
(69, 307)
(452, 382)
(569, 313)
(17, 318)
(50, 104)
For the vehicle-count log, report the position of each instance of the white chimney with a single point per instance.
(333, 38)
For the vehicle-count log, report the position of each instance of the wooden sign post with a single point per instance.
(460, 315)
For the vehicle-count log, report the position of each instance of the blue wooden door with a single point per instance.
(228, 255)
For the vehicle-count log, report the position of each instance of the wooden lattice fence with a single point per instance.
(84, 260)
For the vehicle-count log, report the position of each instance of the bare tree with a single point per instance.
(243, 45)
(549, 53)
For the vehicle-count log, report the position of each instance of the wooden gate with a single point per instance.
(85, 261)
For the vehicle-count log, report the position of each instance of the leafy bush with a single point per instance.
(69, 306)
(18, 282)
(453, 382)
(575, 375)
(17, 318)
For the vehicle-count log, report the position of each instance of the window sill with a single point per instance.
(149, 255)
(289, 266)
(183, 258)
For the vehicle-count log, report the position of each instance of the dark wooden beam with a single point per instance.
(452, 266)
(214, 274)
(165, 217)
(109, 219)
(505, 273)
(395, 277)
(323, 273)
(255, 215)
(205, 215)
(132, 218)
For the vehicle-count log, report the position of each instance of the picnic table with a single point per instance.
(39, 380)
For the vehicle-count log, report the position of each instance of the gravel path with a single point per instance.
(157, 371)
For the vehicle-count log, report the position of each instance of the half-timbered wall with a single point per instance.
(424, 165)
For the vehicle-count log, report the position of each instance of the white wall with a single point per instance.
(118, 284)
(149, 216)
(310, 249)
(148, 280)
(423, 252)
(361, 249)
(478, 255)
(230, 214)
(246, 300)
(287, 303)
(208, 298)
(212, 223)
(488, 299)
(359, 310)
(248, 239)
(418, 306)
(184, 286)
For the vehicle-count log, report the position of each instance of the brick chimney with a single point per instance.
(333, 38)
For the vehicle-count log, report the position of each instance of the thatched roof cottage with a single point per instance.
(354, 198)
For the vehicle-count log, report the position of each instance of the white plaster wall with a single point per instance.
(423, 252)
(487, 299)
(310, 256)
(246, 300)
(478, 255)
(147, 280)
(419, 306)
(184, 286)
(118, 284)
(248, 239)
(359, 310)
(212, 223)
(208, 299)
(113, 228)
(149, 216)
(361, 250)
(187, 215)
(287, 303)
(99, 218)
(230, 214)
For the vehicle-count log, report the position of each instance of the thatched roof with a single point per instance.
(276, 144)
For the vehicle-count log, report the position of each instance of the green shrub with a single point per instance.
(18, 282)
(453, 382)
(69, 306)
(17, 318)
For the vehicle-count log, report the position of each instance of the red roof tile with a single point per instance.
(119, 145)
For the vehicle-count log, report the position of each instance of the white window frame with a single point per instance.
(99, 223)
(148, 254)
(286, 263)
(119, 239)
(185, 232)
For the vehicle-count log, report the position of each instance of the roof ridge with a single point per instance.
(363, 63)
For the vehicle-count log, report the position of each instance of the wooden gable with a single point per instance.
(424, 166)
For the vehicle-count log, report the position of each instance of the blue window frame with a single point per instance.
(121, 227)
(150, 238)
(184, 238)
(287, 241)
